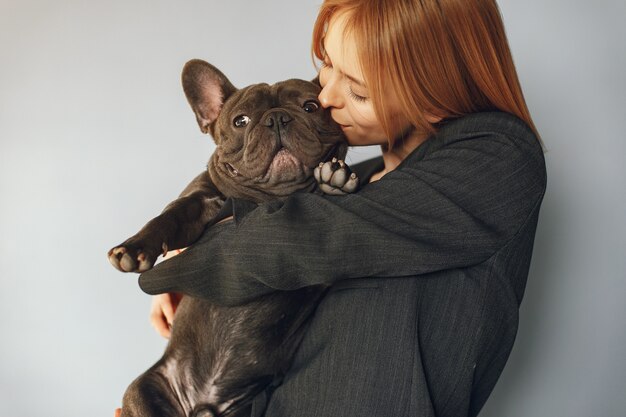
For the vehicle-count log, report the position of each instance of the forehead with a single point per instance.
(260, 96)
(340, 46)
(295, 88)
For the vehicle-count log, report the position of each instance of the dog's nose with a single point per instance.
(277, 118)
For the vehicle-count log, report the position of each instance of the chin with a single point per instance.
(364, 141)
(362, 137)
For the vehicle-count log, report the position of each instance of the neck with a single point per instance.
(403, 146)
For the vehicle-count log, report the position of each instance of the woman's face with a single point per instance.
(345, 93)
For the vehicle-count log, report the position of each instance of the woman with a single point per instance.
(429, 259)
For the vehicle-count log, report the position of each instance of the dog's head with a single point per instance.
(269, 137)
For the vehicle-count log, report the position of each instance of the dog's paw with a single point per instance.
(335, 178)
(136, 255)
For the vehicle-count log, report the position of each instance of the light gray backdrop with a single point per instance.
(96, 137)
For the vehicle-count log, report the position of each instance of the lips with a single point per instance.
(341, 124)
(337, 121)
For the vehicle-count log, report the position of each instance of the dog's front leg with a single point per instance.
(179, 225)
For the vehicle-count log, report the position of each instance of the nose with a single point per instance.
(330, 95)
(277, 118)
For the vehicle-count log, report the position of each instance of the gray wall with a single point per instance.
(96, 137)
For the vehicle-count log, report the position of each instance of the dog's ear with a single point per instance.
(206, 89)
(316, 81)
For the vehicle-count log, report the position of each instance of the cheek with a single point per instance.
(364, 116)
(366, 129)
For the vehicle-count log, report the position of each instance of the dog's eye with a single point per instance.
(241, 121)
(310, 106)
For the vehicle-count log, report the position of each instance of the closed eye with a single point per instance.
(355, 96)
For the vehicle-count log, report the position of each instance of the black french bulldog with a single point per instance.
(272, 140)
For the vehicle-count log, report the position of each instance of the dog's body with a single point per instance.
(220, 357)
(270, 139)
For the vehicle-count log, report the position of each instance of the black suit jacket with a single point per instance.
(428, 267)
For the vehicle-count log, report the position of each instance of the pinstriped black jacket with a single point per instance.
(428, 268)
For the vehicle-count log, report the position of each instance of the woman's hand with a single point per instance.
(162, 312)
(164, 306)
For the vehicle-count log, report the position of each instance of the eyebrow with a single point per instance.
(354, 80)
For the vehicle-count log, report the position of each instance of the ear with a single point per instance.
(206, 89)
(316, 81)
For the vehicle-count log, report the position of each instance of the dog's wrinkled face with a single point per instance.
(269, 137)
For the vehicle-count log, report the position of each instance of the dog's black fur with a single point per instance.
(269, 139)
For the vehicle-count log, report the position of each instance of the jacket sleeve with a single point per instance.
(450, 204)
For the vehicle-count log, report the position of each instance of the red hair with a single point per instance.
(448, 58)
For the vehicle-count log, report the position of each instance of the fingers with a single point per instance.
(118, 412)
(172, 253)
(157, 317)
(160, 325)
(167, 308)
(163, 311)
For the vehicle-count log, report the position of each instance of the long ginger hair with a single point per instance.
(447, 58)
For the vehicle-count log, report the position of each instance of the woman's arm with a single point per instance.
(452, 203)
